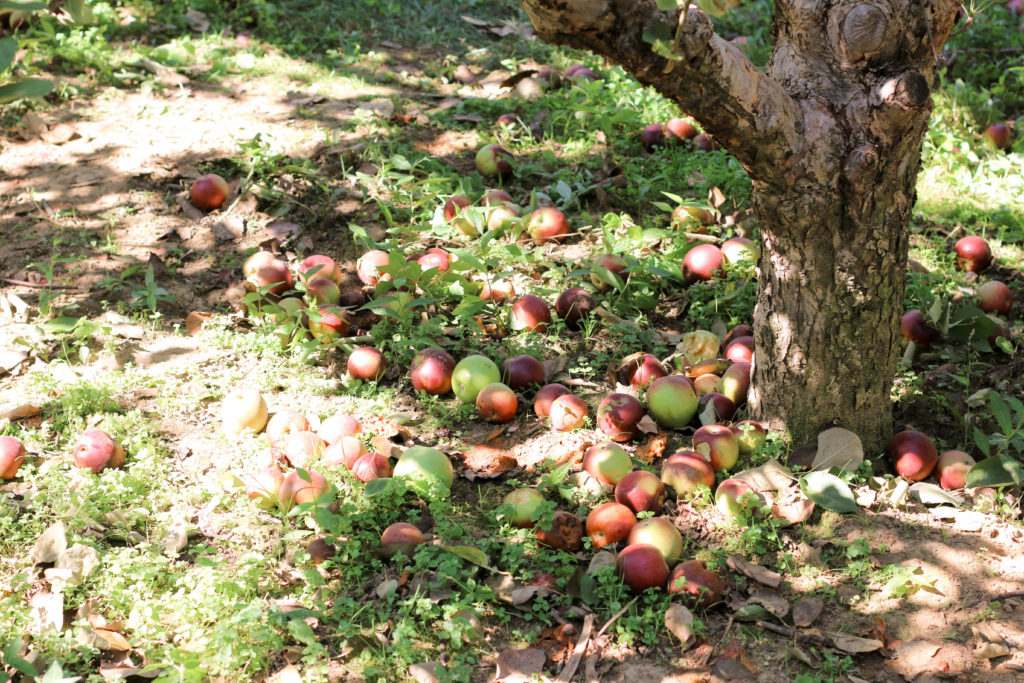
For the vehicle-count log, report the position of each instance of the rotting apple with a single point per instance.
(320, 550)
(750, 435)
(914, 327)
(547, 224)
(545, 396)
(607, 462)
(609, 523)
(735, 497)
(320, 266)
(345, 452)
(723, 407)
(686, 470)
(642, 567)
(431, 371)
(574, 306)
(699, 345)
(641, 491)
(12, 455)
(301, 448)
(662, 534)
(494, 160)
(611, 262)
(338, 425)
(564, 533)
(619, 415)
(208, 192)
(471, 375)
(972, 254)
(672, 401)
(369, 264)
(913, 454)
(686, 217)
(427, 471)
(524, 503)
(497, 403)
(367, 363)
(718, 444)
(568, 412)
(703, 586)
(952, 468)
(243, 410)
(701, 263)
(371, 466)
(530, 313)
(400, 538)
(520, 372)
(995, 297)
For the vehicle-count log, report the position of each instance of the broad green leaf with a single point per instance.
(668, 5)
(61, 325)
(981, 441)
(470, 554)
(8, 46)
(1001, 412)
(717, 8)
(30, 87)
(829, 491)
(22, 5)
(999, 470)
(375, 487)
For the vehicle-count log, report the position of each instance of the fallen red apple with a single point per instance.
(740, 350)
(12, 455)
(501, 217)
(369, 264)
(952, 468)
(718, 444)
(524, 503)
(611, 262)
(645, 369)
(913, 454)
(652, 136)
(564, 533)
(750, 436)
(300, 487)
(328, 322)
(497, 197)
(641, 491)
(431, 371)
(741, 330)
(609, 523)
(336, 426)
(702, 143)
(701, 263)
(506, 121)
(301, 448)
(735, 497)
(208, 192)
(497, 291)
(371, 466)
(704, 587)
(497, 403)
(735, 382)
(400, 538)
(435, 257)
(995, 297)
(642, 567)
(257, 261)
(680, 129)
(547, 224)
(262, 488)
(96, 450)
(607, 462)
(578, 72)
(739, 249)
(520, 372)
(686, 470)
(618, 416)
(272, 276)
(367, 363)
(494, 160)
(530, 313)
(454, 206)
(319, 266)
(243, 410)
(998, 135)
(914, 327)
(568, 412)
(471, 375)
(427, 471)
(687, 217)
(972, 254)
(546, 395)
(285, 422)
(672, 401)
(345, 452)
(662, 534)
(574, 306)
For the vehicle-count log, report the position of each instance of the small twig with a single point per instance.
(931, 38)
(994, 597)
(707, 655)
(799, 636)
(569, 670)
(615, 617)
(40, 285)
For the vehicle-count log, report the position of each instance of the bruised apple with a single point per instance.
(718, 444)
(641, 491)
(703, 587)
(609, 523)
(568, 412)
(546, 395)
(564, 533)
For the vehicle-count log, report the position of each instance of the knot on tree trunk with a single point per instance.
(860, 165)
(863, 32)
(552, 18)
(908, 91)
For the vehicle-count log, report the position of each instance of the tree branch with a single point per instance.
(747, 112)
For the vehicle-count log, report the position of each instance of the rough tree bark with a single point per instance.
(830, 134)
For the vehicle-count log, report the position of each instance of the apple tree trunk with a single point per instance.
(830, 133)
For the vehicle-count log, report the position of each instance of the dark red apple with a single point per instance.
(547, 224)
(506, 121)
(431, 371)
(972, 254)
(740, 350)
(530, 313)
(367, 363)
(208, 192)
(568, 412)
(369, 264)
(913, 327)
(618, 416)
(653, 136)
(320, 266)
(454, 206)
(578, 72)
(641, 491)
(607, 462)
(686, 470)
(718, 444)
(497, 403)
(520, 372)
(546, 395)
(680, 130)
(612, 262)
(12, 454)
(400, 537)
(320, 550)
(371, 466)
(96, 450)
(704, 587)
(998, 135)
(741, 330)
(609, 523)
(574, 306)
(672, 401)
(647, 368)
(352, 298)
(995, 297)
(701, 263)
(642, 567)
(913, 454)
(702, 143)
(565, 532)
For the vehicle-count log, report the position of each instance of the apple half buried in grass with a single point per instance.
(611, 262)
(400, 537)
(426, 471)
(319, 266)
(263, 487)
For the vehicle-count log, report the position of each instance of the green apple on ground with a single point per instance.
(427, 471)
(471, 375)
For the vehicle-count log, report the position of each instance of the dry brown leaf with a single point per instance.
(520, 666)
(854, 644)
(50, 545)
(838, 447)
(113, 640)
(21, 412)
(195, 320)
(679, 622)
(807, 609)
(773, 602)
(754, 571)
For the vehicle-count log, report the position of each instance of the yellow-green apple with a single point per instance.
(427, 471)
(243, 410)
(739, 249)
(735, 382)
(324, 291)
(734, 497)
(494, 160)
(471, 375)
(686, 217)
(607, 462)
(750, 436)
(524, 504)
(662, 534)
(672, 401)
